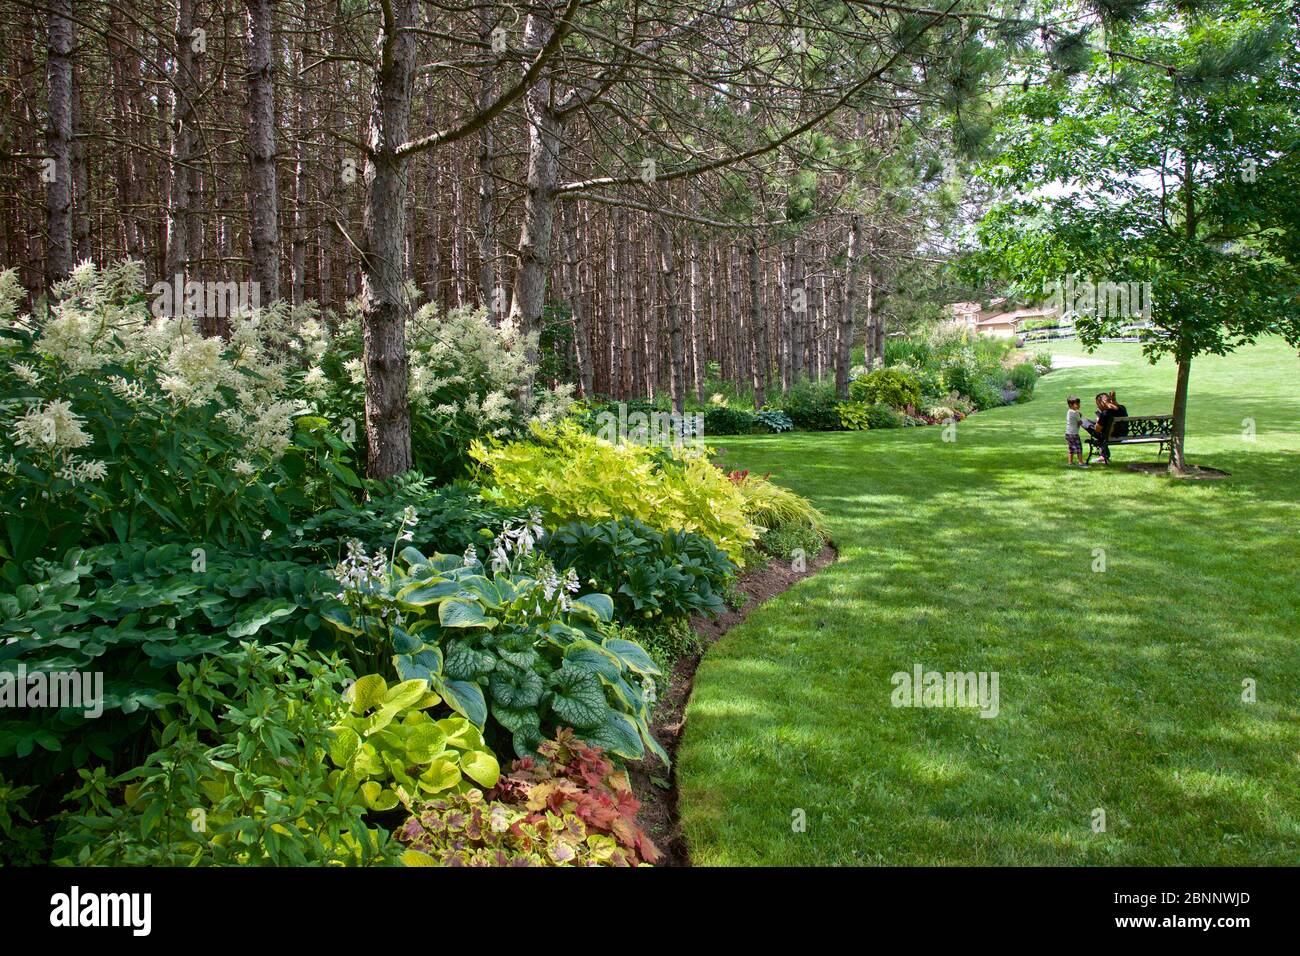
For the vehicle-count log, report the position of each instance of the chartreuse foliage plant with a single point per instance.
(388, 743)
(854, 416)
(575, 476)
(509, 649)
(649, 573)
(886, 386)
(769, 505)
(567, 807)
(240, 776)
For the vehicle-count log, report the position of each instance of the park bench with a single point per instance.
(1139, 430)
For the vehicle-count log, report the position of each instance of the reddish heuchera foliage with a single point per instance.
(577, 778)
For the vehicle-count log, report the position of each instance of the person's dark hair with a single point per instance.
(1072, 400)
(1100, 395)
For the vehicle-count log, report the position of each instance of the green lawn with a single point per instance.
(1119, 690)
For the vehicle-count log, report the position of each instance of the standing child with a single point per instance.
(1073, 418)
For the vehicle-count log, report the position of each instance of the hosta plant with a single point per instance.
(508, 648)
(389, 744)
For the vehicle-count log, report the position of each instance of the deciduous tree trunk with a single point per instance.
(1177, 458)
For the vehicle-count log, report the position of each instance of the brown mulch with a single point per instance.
(1193, 472)
(655, 785)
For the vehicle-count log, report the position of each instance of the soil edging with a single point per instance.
(657, 792)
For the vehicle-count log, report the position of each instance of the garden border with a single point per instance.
(658, 813)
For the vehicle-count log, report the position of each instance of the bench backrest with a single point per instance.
(1143, 426)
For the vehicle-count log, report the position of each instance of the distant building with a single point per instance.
(995, 320)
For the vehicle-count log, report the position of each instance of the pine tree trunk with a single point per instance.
(572, 278)
(676, 338)
(844, 335)
(262, 193)
(486, 159)
(757, 326)
(384, 301)
(177, 253)
(533, 258)
(58, 141)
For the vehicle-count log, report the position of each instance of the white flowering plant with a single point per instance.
(469, 378)
(120, 424)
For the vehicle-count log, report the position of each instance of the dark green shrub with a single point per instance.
(649, 573)
(795, 538)
(725, 420)
(132, 613)
(813, 406)
(443, 520)
(1023, 376)
(883, 416)
(886, 386)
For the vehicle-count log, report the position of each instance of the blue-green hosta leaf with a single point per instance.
(459, 612)
(480, 589)
(424, 593)
(618, 735)
(630, 694)
(403, 641)
(464, 697)
(602, 605)
(515, 687)
(594, 657)
(653, 744)
(340, 617)
(412, 556)
(425, 664)
(577, 697)
(464, 662)
(258, 614)
(633, 656)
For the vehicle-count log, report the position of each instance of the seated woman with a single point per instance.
(1100, 429)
